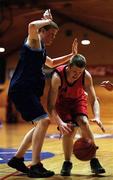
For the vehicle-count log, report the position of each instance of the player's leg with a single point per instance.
(37, 170)
(38, 139)
(67, 143)
(83, 123)
(17, 162)
(25, 144)
(32, 110)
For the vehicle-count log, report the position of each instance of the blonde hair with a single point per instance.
(51, 25)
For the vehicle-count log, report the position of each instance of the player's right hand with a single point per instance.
(65, 128)
(47, 14)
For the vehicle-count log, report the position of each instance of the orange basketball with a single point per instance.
(84, 149)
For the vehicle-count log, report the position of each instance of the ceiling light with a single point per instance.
(2, 49)
(85, 41)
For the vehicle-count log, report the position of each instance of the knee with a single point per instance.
(46, 122)
(83, 122)
(71, 134)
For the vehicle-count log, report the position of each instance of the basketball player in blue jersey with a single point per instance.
(26, 88)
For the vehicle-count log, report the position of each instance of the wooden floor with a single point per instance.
(11, 136)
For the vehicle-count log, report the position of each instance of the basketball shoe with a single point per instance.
(66, 168)
(96, 166)
(18, 164)
(38, 171)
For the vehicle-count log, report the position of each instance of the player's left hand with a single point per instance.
(98, 122)
(107, 85)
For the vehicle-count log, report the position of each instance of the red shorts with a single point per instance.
(69, 111)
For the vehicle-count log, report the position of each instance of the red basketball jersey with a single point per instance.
(72, 98)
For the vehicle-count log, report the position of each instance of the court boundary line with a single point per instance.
(11, 174)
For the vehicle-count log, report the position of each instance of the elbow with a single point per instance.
(51, 64)
(32, 26)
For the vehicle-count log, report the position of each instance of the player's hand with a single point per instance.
(47, 14)
(98, 122)
(65, 128)
(107, 85)
(75, 47)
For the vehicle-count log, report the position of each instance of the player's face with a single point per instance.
(75, 72)
(49, 36)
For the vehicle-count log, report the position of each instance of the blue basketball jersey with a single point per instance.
(29, 76)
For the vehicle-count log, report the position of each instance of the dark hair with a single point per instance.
(78, 60)
(51, 25)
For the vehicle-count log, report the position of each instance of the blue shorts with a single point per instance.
(29, 106)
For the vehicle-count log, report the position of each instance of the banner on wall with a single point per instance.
(100, 70)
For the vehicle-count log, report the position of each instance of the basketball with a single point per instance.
(84, 149)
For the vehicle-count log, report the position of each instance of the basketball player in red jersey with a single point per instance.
(71, 85)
